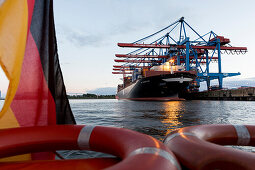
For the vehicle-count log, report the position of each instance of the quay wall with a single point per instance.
(246, 94)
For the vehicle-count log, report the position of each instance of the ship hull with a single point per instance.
(157, 88)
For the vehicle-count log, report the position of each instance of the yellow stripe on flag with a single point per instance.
(8, 120)
(13, 35)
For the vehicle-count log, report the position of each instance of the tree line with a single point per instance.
(90, 96)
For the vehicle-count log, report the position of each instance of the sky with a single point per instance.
(88, 32)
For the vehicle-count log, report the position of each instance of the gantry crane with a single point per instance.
(183, 46)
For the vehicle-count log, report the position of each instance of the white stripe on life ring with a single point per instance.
(84, 137)
(243, 134)
(156, 151)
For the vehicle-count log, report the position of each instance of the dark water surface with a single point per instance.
(157, 118)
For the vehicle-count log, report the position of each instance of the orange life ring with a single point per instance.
(199, 147)
(137, 151)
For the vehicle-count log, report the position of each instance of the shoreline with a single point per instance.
(91, 96)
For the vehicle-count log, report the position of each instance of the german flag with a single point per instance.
(28, 55)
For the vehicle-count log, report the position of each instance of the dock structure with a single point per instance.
(180, 45)
(244, 94)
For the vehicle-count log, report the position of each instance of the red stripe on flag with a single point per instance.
(30, 5)
(33, 104)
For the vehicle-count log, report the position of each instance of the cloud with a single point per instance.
(79, 38)
(82, 39)
(64, 63)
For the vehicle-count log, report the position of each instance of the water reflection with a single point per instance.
(172, 112)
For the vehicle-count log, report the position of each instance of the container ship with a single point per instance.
(158, 83)
(173, 64)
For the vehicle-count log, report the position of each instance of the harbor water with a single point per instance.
(158, 118)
